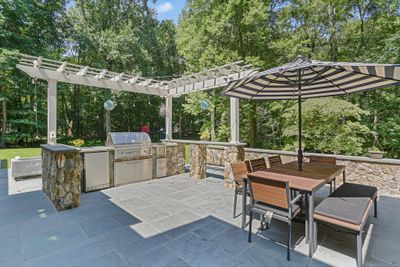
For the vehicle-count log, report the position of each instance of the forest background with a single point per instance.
(125, 36)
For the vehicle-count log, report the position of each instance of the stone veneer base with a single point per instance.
(61, 175)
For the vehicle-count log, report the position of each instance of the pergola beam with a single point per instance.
(62, 67)
(83, 71)
(56, 71)
(47, 69)
(215, 79)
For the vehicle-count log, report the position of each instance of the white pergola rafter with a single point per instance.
(57, 71)
(48, 69)
(210, 78)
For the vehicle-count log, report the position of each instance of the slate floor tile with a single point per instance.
(106, 260)
(98, 225)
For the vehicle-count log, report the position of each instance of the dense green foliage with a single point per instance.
(270, 33)
(125, 36)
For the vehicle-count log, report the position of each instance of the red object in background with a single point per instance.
(145, 128)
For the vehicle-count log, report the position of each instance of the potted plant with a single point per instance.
(376, 153)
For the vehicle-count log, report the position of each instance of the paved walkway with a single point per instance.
(175, 221)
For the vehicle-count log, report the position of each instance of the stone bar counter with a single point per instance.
(233, 152)
(175, 157)
(61, 175)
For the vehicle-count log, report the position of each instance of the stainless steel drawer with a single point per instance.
(130, 152)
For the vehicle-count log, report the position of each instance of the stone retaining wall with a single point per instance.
(382, 173)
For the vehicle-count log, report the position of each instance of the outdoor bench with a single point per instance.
(348, 207)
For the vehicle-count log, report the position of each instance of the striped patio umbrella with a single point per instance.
(304, 78)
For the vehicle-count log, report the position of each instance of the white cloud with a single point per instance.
(165, 7)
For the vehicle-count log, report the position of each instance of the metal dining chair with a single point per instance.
(248, 166)
(258, 164)
(326, 160)
(273, 196)
(239, 170)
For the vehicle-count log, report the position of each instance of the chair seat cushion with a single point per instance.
(355, 190)
(348, 203)
(348, 209)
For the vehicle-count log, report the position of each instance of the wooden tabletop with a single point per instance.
(313, 176)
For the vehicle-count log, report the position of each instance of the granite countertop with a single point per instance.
(60, 148)
(95, 149)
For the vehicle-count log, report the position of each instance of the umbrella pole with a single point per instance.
(300, 151)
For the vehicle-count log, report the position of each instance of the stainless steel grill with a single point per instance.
(132, 156)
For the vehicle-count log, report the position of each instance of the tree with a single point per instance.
(217, 32)
(329, 125)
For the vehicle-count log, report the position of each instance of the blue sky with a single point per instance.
(169, 9)
(166, 9)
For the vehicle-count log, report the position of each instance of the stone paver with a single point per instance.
(175, 221)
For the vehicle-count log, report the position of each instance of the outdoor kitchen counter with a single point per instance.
(61, 175)
(92, 149)
(59, 148)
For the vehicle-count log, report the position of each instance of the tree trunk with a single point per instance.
(4, 117)
(375, 128)
(213, 123)
(180, 122)
(68, 120)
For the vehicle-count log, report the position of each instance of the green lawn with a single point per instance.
(10, 153)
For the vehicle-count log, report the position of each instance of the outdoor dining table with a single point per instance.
(312, 177)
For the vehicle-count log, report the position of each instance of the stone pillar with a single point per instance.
(175, 156)
(61, 175)
(52, 112)
(231, 154)
(198, 161)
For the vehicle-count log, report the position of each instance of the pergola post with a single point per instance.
(234, 110)
(52, 111)
(168, 118)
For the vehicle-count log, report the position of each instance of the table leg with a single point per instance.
(311, 224)
(344, 176)
(244, 204)
(306, 218)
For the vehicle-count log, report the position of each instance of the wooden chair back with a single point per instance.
(323, 159)
(239, 171)
(274, 161)
(248, 166)
(271, 192)
(258, 164)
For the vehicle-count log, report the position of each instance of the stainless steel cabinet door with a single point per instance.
(97, 174)
(143, 169)
(124, 172)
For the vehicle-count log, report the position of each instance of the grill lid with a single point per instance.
(128, 138)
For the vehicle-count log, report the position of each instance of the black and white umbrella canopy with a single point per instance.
(314, 79)
(304, 78)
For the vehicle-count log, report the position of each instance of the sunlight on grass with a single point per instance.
(10, 153)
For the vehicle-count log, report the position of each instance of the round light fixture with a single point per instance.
(204, 105)
(109, 105)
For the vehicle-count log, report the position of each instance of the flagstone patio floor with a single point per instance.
(174, 221)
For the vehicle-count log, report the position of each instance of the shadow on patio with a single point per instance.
(175, 221)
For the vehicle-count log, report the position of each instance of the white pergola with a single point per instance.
(56, 71)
